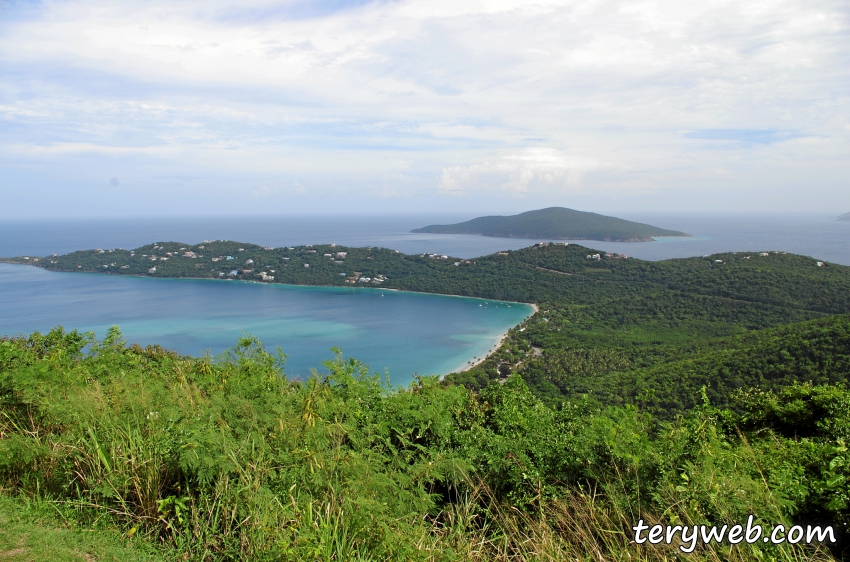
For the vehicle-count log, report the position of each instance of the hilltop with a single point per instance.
(556, 223)
(702, 389)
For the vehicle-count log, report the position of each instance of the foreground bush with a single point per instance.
(227, 459)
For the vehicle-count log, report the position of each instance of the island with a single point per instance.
(556, 223)
(844, 218)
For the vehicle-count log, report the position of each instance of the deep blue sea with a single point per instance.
(816, 235)
(402, 332)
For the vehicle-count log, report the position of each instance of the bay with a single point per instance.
(401, 332)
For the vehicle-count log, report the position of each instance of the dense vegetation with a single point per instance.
(617, 329)
(556, 223)
(688, 391)
(227, 459)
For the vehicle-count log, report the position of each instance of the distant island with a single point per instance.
(556, 223)
(845, 217)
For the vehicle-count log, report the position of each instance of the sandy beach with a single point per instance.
(497, 345)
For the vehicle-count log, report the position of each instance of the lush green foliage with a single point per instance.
(555, 223)
(226, 459)
(617, 329)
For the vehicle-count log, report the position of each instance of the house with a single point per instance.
(221, 274)
(341, 255)
(125, 267)
(306, 265)
(764, 254)
(152, 270)
(247, 271)
(229, 258)
(820, 264)
(234, 273)
(328, 256)
(248, 262)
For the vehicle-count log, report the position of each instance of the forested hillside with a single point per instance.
(617, 329)
(555, 223)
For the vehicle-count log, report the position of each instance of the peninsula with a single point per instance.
(587, 300)
(556, 223)
(657, 383)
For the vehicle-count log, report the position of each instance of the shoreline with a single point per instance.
(251, 281)
(497, 345)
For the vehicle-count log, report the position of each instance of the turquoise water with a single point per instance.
(404, 333)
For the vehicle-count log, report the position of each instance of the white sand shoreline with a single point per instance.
(497, 345)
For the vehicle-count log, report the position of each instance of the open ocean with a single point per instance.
(815, 235)
(405, 333)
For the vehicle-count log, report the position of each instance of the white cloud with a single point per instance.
(532, 170)
(508, 97)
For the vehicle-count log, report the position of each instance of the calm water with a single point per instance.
(405, 333)
(816, 235)
(402, 332)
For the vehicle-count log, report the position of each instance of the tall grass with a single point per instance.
(226, 459)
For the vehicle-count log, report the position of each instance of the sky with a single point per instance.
(138, 108)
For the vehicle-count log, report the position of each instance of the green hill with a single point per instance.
(697, 390)
(556, 223)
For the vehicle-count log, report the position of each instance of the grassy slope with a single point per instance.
(555, 223)
(28, 534)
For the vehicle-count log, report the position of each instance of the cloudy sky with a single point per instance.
(291, 106)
